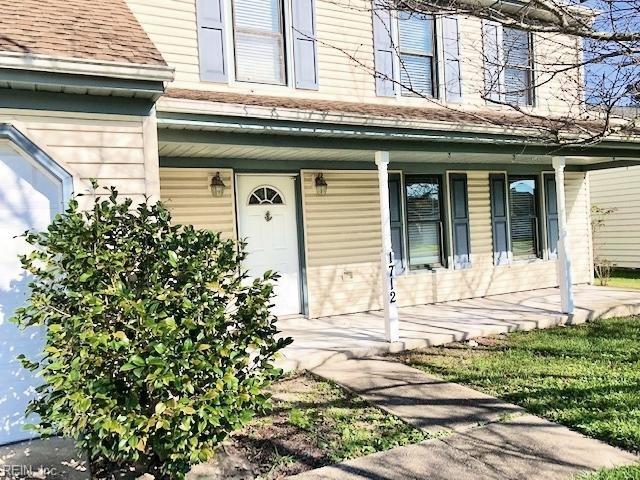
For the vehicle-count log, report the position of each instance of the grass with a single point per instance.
(624, 279)
(631, 472)
(315, 423)
(585, 377)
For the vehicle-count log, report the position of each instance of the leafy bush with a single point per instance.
(157, 344)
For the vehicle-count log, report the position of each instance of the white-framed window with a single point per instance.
(259, 41)
(518, 66)
(418, 54)
(508, 65)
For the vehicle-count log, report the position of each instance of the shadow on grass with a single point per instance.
(585, 377)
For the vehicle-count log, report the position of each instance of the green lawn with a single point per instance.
(623, 473)
(624, 279)
(586, 377)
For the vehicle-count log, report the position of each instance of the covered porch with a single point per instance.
(323, 340)
(416, 213)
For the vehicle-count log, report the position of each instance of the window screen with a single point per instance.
(417, 66)
(518, 70)
(259, 41)
(424, 221)
(523, 217)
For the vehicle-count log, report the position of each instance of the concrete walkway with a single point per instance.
(317, 341)
(480, 437)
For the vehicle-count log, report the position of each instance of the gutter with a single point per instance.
(89, 67)
(203, 115)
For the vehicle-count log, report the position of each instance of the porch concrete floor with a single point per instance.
(318, 341)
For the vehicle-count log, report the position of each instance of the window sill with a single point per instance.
(527, 261)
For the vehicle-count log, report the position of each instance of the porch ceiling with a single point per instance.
(267, 153)
(171, 149)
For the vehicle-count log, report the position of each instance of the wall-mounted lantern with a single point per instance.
(217, 186)
(321, 185)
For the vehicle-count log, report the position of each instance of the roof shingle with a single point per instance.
(432, 113)
(86, 29)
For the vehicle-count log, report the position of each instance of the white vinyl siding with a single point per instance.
(259, 41)
(619, 240)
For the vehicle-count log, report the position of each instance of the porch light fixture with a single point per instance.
(217, 186)
(321, 185)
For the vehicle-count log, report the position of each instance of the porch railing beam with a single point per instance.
(565, 278)
(391, 323)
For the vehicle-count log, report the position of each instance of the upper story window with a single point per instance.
(258, 32)
(508, 65)
(270, 42)
(417, 54)
(518, 66)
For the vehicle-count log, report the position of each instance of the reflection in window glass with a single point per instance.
(523, 217)
(424, 221)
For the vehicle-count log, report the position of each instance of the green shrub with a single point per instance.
(157, 344)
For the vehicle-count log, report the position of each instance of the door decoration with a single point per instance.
(267, 216)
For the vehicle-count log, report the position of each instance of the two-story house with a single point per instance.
(367, 155)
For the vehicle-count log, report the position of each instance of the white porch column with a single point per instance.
(564, 251)
(391, 324)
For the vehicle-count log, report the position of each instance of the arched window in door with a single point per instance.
(265, 195)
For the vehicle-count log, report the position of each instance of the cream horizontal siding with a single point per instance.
(579, 225)
(346, 56)
(186, 193)
(342, 243)
(109, 148)
(619, 240)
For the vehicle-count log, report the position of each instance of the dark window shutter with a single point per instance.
(492, 52)
(211, 40)
(499, 218)
(460, 220)
(304, 44)
(384, 50)
(452, 73)
(395, 216)
(551, 206)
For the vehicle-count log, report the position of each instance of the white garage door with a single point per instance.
(29, 198)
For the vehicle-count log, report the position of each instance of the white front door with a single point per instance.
(267, 222)
(29, 199)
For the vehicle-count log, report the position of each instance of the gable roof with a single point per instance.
(103, 30)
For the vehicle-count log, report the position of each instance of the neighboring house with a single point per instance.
(618, 190)
(276, 130)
